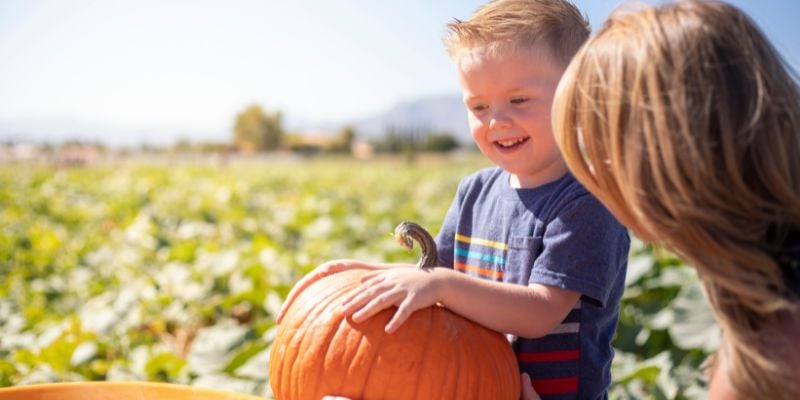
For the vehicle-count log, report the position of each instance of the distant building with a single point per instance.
(362, 150)
(76, 155)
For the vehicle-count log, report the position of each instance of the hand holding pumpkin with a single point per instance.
(323, 270)
(462, 359)
(410, 289)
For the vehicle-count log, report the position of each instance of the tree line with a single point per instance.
(256, 130)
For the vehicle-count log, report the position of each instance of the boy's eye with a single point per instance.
(478, 107)
(519, 100)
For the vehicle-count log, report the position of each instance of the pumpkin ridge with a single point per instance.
(465, 372)
(507, 364)
(338, 340)
(454, 359)
(480, 367)
(425, 356)
(367, 352)
(410, 354)
(347, 349)
(308, 315)
(488, 339)
(375, 324)
(330, 314)
(286, 351)
(489, 367)
(361, 340)
(451, 365)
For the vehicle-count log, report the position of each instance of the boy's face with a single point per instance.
(508, 97)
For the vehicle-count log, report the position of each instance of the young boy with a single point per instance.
(524, 248)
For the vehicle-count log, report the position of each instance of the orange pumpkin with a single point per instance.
(435, 354)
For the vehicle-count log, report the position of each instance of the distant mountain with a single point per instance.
(444, 114)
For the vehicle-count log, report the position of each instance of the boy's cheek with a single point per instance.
(473, 120)
(476, 126)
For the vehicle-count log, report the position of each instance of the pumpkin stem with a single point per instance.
(408, 230)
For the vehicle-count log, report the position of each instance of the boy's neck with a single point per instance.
(554, 173)
(514, 181)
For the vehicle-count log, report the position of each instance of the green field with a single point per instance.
(173, 270)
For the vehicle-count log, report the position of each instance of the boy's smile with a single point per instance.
(511, 143)
(508, 95)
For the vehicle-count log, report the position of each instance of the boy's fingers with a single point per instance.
(354, 301)
(374, 305)
(328, 268)
(401, 315)
(367, 290)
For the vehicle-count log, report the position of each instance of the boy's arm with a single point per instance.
(531, 311)
(528, 311)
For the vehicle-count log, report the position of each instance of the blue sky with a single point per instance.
(185, 68)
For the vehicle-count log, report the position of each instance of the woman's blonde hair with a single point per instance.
(502, 25)
(685, 121)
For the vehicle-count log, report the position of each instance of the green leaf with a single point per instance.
(7, 372)
(246, 353)
(59, 353)
(164, 367)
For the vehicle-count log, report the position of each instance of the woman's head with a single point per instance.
(685, 122)
(690, 104)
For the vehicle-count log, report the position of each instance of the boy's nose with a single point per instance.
(500, 121)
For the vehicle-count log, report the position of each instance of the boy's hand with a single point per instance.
(407, 288)
(527, 392)
(323, 270)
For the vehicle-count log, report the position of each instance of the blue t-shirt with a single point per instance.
(556, 234)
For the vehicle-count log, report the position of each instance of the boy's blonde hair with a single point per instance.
(685, 122)
(502, 25)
